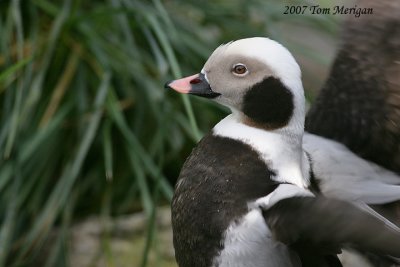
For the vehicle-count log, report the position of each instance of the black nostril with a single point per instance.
(195, 81)
(166, 85)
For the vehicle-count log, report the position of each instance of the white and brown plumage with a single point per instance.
(250, 193)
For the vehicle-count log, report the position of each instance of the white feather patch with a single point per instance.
(281, 192)
(350, 258)
(283, 156)
(346, 176)
(249, 243)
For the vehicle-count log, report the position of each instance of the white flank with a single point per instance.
(249, 243)
(346, 176)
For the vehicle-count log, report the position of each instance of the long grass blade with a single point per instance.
(11, 71)
(7, 227)
(175, 70)
(37, 84)
(107, 150)
(148, 163)
(62, 86)
(60, 194)
(18, 98)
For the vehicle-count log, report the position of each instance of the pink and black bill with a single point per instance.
(195, 85)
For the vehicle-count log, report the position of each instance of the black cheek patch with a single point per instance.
(269, 103)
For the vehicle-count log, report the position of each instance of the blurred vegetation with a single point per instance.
(86, 126)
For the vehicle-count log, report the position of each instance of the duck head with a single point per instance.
(257, 78)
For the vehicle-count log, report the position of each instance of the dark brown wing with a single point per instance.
(317, 227)
(359, 105)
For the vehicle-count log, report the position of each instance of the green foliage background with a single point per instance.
(85, 124)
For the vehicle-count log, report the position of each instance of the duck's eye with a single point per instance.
(239, 69)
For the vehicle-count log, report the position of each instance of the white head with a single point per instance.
(258, 79)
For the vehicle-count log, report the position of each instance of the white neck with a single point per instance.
(295, 128)
(281, 149)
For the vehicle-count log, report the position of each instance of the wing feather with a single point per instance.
(359, 105)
